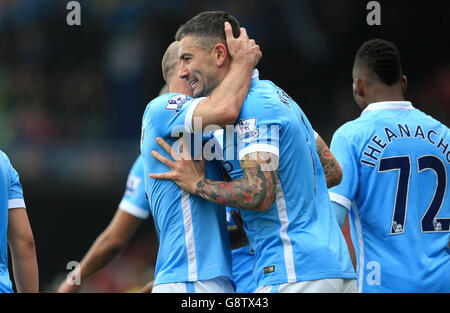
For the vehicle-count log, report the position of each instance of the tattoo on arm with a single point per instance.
(330, 165)
(255, 189)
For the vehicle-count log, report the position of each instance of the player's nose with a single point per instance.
(183, 72)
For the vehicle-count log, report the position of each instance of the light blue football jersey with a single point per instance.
(298, 238)
(193, 239)
(134, 200)
(395, 162)
(11, 196)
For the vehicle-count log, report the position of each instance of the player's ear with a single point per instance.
(358, 87)
(404, 83)
(220, 52)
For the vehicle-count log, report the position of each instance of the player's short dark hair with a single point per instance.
(209, 25)
(381, 58)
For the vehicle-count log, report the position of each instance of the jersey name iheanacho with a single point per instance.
(374, 149)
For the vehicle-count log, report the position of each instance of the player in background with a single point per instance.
(395, 161)
(15, 232)
(287, 217)
(132, 210)
(194, 248)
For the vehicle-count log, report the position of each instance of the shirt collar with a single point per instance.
(255, 78)
(388, 105)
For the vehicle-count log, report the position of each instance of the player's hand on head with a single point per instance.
(242, 48)
(184, 170)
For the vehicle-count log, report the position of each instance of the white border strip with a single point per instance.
(134, 210)
(287, 244)
(335, 197)
(388, 105)
(189, 236)
(190, 113)
(360, 247)
(16, 203)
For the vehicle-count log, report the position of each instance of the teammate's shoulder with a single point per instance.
(430, 118)
(351, 128)
(169, 101)
(262, 88)
(4, 157)
(5, 163)
(266, 92)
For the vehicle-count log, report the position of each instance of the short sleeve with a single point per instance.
(192, 105)
(134, 200)
(166, 116)
(345, 192)
(171, 110)
(258, 131)
(16, 199)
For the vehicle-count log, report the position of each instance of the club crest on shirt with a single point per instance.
(133, 183)
(247, 131)
(176, 103)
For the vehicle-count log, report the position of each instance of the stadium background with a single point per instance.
(72, 98)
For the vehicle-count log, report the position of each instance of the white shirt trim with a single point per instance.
(255, 73)
(285, 239)
(388, 105)
(16, 203)
(361, 260)
(134, 210)
(344, 201)
(190, 113)
(189, 236)
(315, 135)
(258, 147)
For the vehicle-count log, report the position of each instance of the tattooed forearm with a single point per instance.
(256, 190)
(332, 173)
(331, 167)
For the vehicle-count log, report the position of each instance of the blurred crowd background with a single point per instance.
(72, 98)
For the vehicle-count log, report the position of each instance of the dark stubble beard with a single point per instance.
(208, 88)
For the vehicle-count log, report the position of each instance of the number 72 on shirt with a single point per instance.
(429, 222)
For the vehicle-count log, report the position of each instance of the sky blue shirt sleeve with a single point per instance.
(180, 108)
(134, 200)
(345, 192)
(168, 111)
(258, 129)
(168, 116)
(16, 199)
